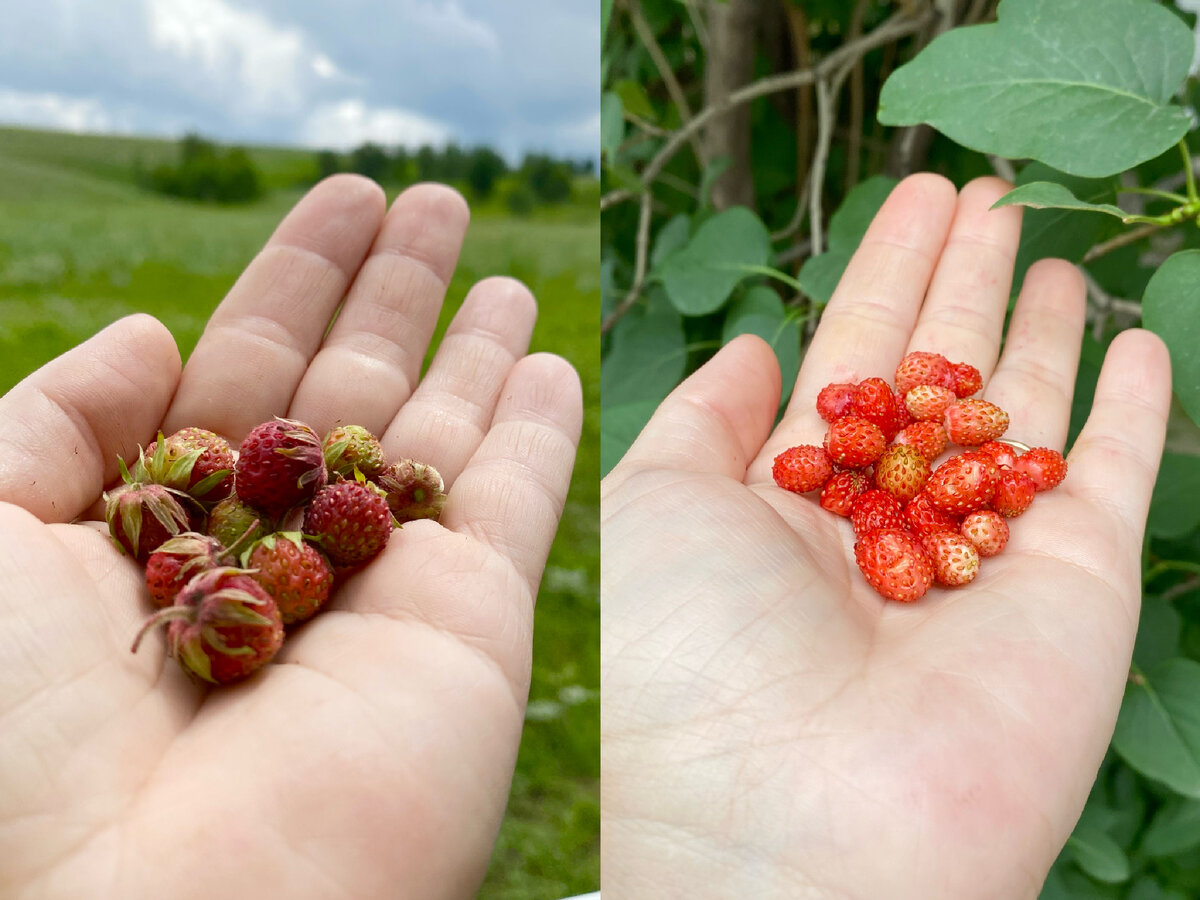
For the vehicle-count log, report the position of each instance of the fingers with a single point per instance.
(369, 363)
(1115, 460)
(866, 327)
(963, 314)
(450, 411)
(1035, 378)
(715, 421)
(259, 341)
(62, 428)
(511, 493)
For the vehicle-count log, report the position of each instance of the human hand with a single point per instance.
(772, 727)
(373, 758)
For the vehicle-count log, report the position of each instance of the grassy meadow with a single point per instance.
(81, 245)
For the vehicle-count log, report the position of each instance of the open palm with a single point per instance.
(771, 726)
(374, 757)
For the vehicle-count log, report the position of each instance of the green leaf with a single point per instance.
(1170, 309)
(1159, 626)
(1061, 233)
(647, 354)
(1158, 728)
(1082, 85)
(612, 124)
(634, 99)
(670, 238)
(1175, 504)
(1174, 829)
(1146, 888)
(606, 7)
(760, 311)
(619, 427)
(700, 276)
(1098, 855)
(1049, 195)
(714, 170)
(820, 274)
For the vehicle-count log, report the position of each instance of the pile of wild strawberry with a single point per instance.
(236, 548)
(917, 524)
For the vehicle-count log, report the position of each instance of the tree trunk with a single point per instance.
(730, 65)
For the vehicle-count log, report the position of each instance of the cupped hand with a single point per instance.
(772, 727)
(373, 758)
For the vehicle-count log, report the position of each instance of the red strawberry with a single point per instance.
(875, 509)
(903, 416)
(1014, 493)
(920, 367)
(955, 559)
(928, 437)
(223, 626)
(901, 471)
(1046, 467)
(841, 490)
(875, 401)
(1004, 454)
(416, 490)
(350, 447)
(142, 515)
(967, 379)
(350, 521)
(963, 483)
(801, 469)
(231, 520)
(835, 400)
(895, 563)
(928, 402)
(293, 572)
(177, 561)
(923, 518)
(280, 465)
(973, 421)
(194, 460)
(854, 442)
(987, 530)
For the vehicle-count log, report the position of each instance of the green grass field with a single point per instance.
(81, 246)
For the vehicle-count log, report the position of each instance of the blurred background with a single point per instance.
(149, 147)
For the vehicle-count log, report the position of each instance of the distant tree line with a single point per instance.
(206, 172)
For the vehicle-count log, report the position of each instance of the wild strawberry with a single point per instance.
(967, 379)
(875, 509)
(835, 400)
(231, 520)
(177, 561)
(142, 515)
(854, 442)
(350, 447)
(222, 626)
(963, 483)
(416, 490)
(280, 465)
(901, 471)
(903, 416)
(1014, 493)
(973, 421)
(841, 490)
(798, 469)
(987, 530)
(1046, 467)
(920, 367)
(928, 402)
(1004, 454)
(875, 401)
(895, 563)
(928, 437)
(194, 460)
(293, 572)
(350, 521)
(955, 559)
(923, 518)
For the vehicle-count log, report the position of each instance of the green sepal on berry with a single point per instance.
(352, 448)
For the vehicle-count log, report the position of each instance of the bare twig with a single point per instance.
(1003, 168)
(639, 267)
(854, 148)
(1189, 584)
(612, 198)
(1121, 240)
(646, 36)
(697, 23)
(649, 127)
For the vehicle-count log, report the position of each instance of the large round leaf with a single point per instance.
(700, 276)
(1158, 729)
(1169, 309)
(1098, 854)
(1082, 85)
(760, 311)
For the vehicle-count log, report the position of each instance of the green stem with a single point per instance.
(1170, 565)
(1153, 192)
(771, 273)
(1187, 171)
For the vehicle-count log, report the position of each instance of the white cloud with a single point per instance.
(583, 133)
(447, 20)
(55, 111)
(340, 126)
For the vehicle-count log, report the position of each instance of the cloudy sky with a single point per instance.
(517, 75)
